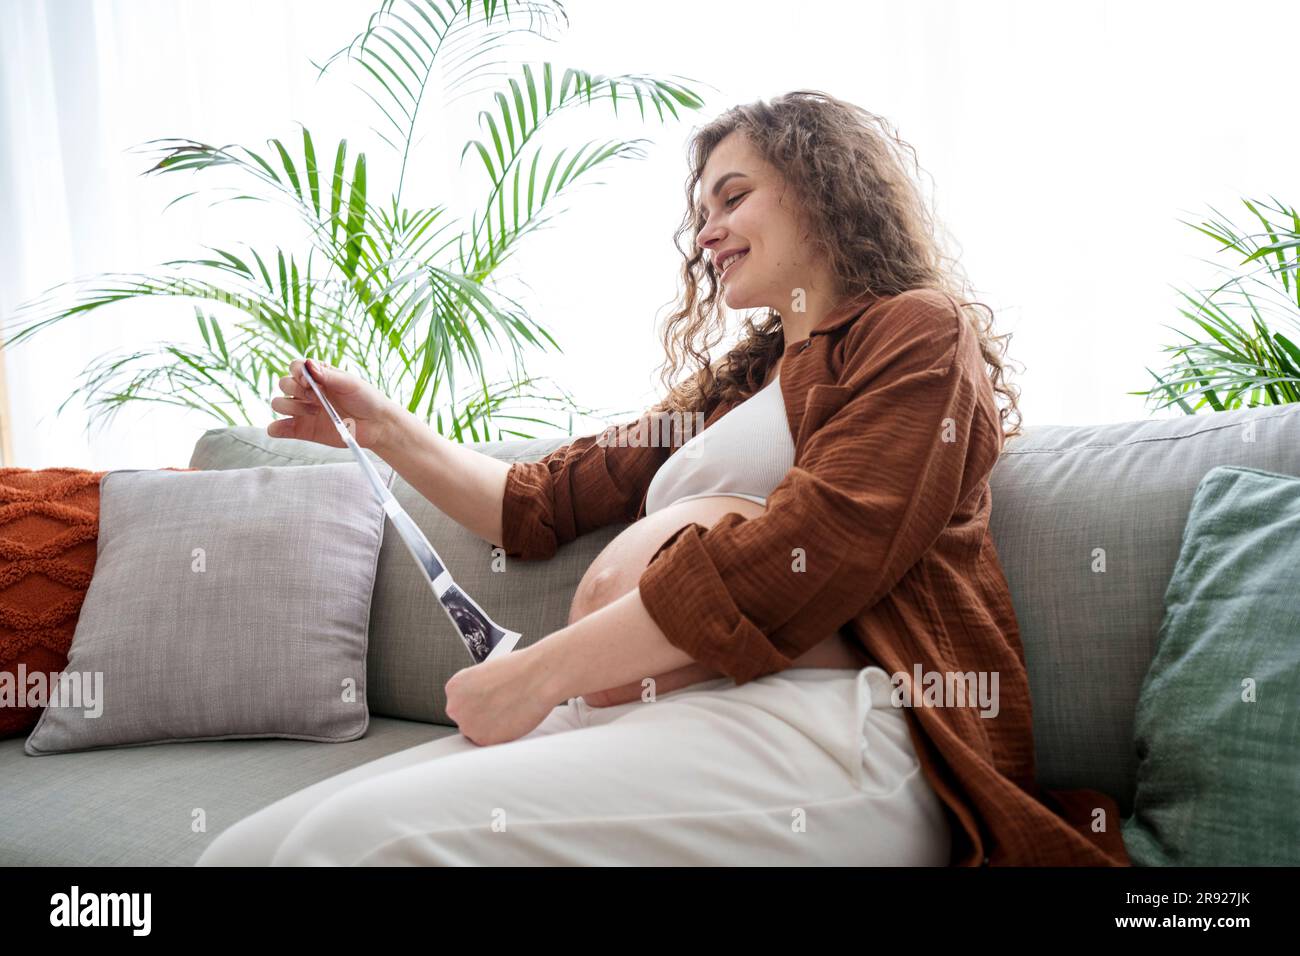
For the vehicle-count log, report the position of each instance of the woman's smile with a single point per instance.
(731, 266)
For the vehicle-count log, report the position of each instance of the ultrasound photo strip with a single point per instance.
(482, 636)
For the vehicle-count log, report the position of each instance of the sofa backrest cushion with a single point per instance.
(1088, 521)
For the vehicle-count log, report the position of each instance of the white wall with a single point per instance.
(1063, 143)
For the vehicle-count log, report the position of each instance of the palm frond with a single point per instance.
(404, 295)
(406, 42)
(1247, 360)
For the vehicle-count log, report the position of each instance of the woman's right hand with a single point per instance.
(370, 415)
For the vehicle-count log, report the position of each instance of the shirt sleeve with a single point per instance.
(592, 482)
(903, 443)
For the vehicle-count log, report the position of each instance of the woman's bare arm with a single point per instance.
(466, 485)
(614, 646)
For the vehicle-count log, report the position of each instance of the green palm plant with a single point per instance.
(402, 295)
(1236, 364)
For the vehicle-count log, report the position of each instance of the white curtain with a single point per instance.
(82, 83)
(1062, 142)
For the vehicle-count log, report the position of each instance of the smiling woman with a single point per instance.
(827, 528)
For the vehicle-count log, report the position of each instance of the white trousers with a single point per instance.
(809, 766)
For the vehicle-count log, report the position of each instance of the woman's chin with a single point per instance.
(734, 300)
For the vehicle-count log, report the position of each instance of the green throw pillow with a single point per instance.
(1218, 720)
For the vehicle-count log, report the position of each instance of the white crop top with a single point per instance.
(745, 453)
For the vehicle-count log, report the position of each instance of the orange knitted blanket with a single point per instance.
(49, 527)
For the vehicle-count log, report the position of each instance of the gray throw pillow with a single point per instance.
(414, 650)
(223, 604)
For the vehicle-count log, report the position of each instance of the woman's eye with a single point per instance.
(735, 197)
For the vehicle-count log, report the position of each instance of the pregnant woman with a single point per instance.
(736, 683)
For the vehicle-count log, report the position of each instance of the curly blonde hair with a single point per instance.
(867, 219)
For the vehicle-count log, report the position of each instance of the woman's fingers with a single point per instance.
(297, 389)
(299, 401)
(281, 428)
(291, 406)
(298, 373)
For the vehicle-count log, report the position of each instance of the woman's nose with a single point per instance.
(708, 239)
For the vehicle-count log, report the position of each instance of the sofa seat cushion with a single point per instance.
(138, 806)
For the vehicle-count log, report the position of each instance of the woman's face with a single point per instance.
(745, 205)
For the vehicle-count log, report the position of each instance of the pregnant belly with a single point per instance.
(618, 567)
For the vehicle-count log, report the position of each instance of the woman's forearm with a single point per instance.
(466, 485)
(617, 644)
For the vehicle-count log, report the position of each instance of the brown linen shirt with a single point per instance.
(896, 431)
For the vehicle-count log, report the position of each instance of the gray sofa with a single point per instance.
(1066, 499)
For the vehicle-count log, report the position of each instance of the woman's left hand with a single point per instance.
(498, 700)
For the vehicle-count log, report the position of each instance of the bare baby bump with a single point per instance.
(617, 569)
